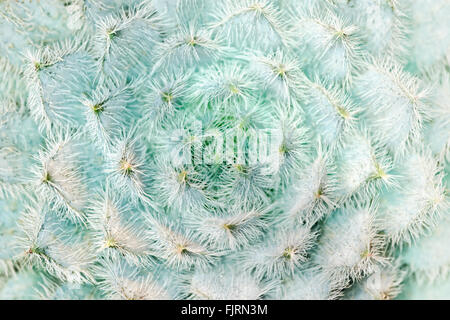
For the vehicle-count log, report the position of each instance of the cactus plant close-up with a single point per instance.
(224, 149)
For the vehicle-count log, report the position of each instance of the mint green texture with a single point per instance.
(135, 162)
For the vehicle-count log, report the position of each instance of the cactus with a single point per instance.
(246, 149)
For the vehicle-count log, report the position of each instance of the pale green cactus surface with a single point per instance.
(229, 149)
